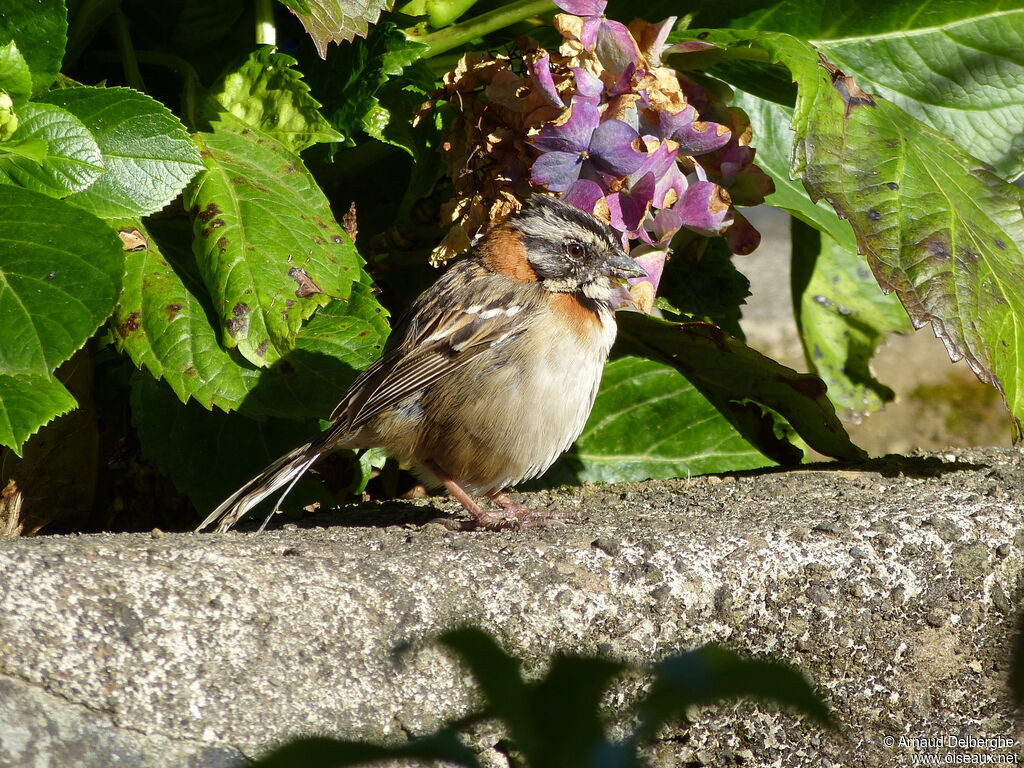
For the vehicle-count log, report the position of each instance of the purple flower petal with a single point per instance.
(751, 186)
(616, 49)
(742, 238)
(662, 163)
(665, 125)
(611, 148)
(583, 7)
(572, 136)
(588, 86)
(624, 82)
(705, 208)
(629, 207)
(699, 138)
(556, 170)
(590, 31)
(584, 194)
(544, 82)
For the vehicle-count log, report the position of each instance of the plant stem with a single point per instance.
(266, 31)
(452, 37)
(129, 63)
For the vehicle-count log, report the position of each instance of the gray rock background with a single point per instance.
(893, 586)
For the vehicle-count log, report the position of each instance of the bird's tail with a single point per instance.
(283, 473)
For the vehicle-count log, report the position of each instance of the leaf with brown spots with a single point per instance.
(262, 224)
(161, 322)
(936, 225)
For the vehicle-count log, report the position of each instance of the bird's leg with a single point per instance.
(506, 520)
(528, 517)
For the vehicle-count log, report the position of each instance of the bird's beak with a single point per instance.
(620, 265)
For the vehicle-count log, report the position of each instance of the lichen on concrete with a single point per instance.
(893, 586)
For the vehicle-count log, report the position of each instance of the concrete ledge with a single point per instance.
(895, 593)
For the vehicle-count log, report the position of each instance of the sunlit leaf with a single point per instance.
(147, 154)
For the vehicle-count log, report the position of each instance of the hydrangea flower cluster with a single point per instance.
(603, 124)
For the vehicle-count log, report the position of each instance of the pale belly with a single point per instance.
(507, 423)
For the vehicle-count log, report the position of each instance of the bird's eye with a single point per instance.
(574, 250)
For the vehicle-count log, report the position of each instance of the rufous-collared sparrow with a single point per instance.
(491, 373)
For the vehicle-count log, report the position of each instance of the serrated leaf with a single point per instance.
(162, 324)
(60, 271)
(741, 383)
(349, 82)
(15, 77)
(40, 29)
(842, 316)
(52, 152)
(774, 138)
(147, 154)
(335, 21)
(936, 224)
(708, 286)
(338, 342)
(959, 67)
(267, 94)
(267, 245)
(28, 403)
(650, 422)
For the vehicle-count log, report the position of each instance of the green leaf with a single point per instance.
(741, 382)
(40, 29)
(161, 322)
(843, 316)
(266, 243)
(712, 674)
(936, 225)
(15, 77)
(26, 404)
(60, 271)
(52, 152)
(773, 138)
(338, 342)
(299, 6)
(650, 422)
(707, 286)
(335, 21)
(147, 153)
(957, 66)
(267, 94)
(351, 80)
(207, 454)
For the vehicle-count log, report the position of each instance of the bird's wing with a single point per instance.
(460, 317)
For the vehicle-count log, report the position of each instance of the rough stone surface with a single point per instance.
(893, 586)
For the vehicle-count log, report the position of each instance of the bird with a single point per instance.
(491, 373)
